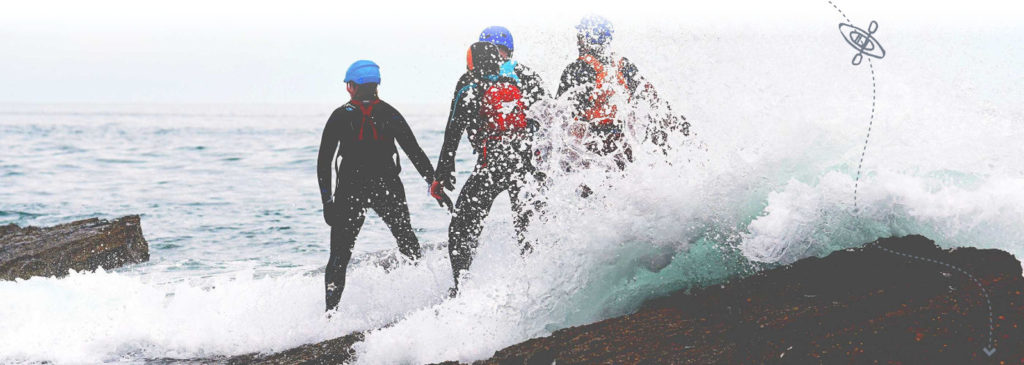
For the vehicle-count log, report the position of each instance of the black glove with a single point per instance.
(446, 180)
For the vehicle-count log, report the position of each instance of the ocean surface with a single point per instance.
(229, 201)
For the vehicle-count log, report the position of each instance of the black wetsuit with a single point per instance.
(502, 164)
(580, 78)
(367, 178)
(528, 80)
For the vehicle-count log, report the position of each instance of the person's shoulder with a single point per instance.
(343, 110)
(386, 108)
(469, 81)
(628, 68)
(625, 62)
(524, 70)
(348, 107)
(577, 65)
(466, 79)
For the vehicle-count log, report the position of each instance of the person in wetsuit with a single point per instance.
(528, 80)
(590, 82)
(362, 133)
(490, 107)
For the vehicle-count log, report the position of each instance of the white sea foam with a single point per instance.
(804, 220)
(99, 317)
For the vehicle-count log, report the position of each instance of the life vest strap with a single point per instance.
(367, 111)
(483, 148)
(600, 112)
(599, 67)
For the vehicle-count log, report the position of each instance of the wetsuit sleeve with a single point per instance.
(577, 80)
(632, 75)
(405, 138)
(563, 83)
(533, 86)
(576, 74)
(329, 143)
(458, 119)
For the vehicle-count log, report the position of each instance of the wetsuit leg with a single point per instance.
(522, 212)
(473, 205)
(390, 204)
(348, 220)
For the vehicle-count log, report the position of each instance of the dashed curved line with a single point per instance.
(856, 185)
(871, 123)
(871, 119)
(839, 10)
(991, 323)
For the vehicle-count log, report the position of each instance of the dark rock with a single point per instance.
(864, 305)
(336, 351)
(895, 301)
(82, 245)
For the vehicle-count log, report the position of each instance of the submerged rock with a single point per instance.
(898, 300)
(82, 245)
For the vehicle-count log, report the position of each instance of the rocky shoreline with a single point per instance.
(84, 245)
(896, 301)
(893, 301)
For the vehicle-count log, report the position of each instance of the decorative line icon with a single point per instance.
(864, 42)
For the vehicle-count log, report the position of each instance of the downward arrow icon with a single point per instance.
(989, 350)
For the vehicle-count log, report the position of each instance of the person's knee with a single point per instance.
(338, 261)
(342, 246)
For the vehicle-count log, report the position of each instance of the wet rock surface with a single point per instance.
(334, 351)
(81, 245)
(894, 301)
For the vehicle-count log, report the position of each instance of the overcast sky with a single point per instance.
(253, 51)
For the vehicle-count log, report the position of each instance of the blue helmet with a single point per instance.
(498, 35)
(596, 30)
(362, 72)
